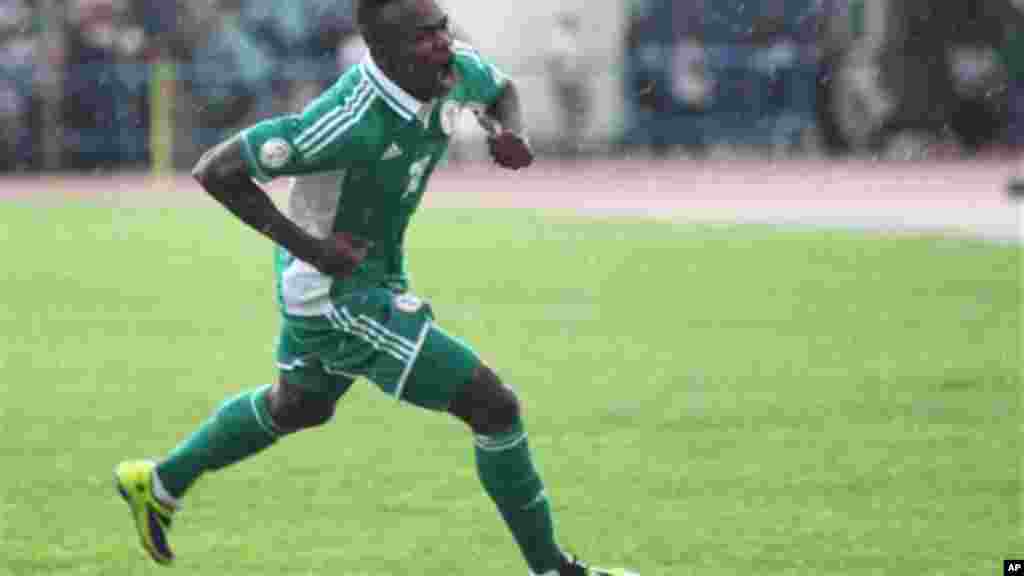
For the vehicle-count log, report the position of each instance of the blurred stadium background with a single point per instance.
(131, 84)
(757, 399)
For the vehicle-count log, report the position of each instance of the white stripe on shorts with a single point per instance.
(370, 325)
(378, 341)
(415, 354)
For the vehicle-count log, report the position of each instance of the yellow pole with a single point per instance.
(161, 117)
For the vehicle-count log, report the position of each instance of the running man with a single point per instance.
(361, 155)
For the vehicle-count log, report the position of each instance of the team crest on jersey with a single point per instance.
(408, 303)
(450, 111)
(275, 153)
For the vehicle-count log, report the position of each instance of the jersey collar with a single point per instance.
(403, 103)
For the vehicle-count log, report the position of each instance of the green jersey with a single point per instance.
(360, 156)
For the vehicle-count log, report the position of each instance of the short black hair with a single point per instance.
(368, 17)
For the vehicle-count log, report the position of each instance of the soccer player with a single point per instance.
(361, 155)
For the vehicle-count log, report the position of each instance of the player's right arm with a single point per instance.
(224, 173)
(320, 139)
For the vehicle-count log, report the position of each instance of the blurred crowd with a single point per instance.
(100, 61)
(902, 78)
(787, 75)
(704, 73)
(19, 75)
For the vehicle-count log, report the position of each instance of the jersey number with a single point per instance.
(416, 173)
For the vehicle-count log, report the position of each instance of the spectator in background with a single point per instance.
(160, 24)
(300, 39)
(105, 87)
(233, 74)
(569, 82)
(253, 59)
(334, 30)
(647, 96)
(691, 82)
(788, 35)
(1011, 50)
(18, 50)
(285, 34)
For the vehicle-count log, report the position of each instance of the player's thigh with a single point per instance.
(396, 344)
(304, 349)
(443, 366)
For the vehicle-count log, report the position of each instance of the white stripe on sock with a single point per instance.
(268, 427)
(488, 444)
(541, 496)
(162, 494)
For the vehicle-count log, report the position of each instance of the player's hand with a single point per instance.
(510, 150)
(340, 254)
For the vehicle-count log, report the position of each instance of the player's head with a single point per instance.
(410, 40)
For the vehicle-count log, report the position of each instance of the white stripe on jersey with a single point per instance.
(316, 129)
(354, 119)
(328, 130)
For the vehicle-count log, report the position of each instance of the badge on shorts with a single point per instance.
(275, 153)
(408, 303)
(449, 116)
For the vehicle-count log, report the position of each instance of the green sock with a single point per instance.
(509, 477)
(239, 428)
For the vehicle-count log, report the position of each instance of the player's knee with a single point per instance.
(292, 408)
(505, 413)
(494, 406)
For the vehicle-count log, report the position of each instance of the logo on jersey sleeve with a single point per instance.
(275, 153)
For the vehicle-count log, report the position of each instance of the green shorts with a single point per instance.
(390, 339)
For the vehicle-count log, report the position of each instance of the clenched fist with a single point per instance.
(340, 254)
(510, 150)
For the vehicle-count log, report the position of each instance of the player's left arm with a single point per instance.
(497, 107)
(507, 140)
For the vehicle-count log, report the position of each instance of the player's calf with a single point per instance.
(292, 408)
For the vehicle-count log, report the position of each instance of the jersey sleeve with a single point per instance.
(324, 137)
(482, 81)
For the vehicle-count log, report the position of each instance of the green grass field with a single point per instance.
(701, 400)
